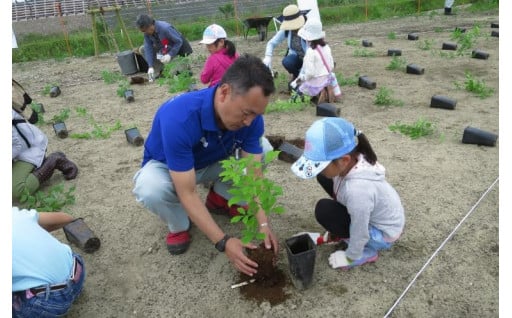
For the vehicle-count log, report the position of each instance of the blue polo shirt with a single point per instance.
(185, 135)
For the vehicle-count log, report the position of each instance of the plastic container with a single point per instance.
(327, 110)
(412, 36)
(366, 82)
(495, 25)
(439, 101)
(60, 130)
(289, 152)
(394, 52)
(128, 95)
(495, 34)
(478, 54)
(367, 43)
(477, 136)
(301, 252)
(78, 233)
(415, 69)
(449, 46)
(127, 62)
(134, 137)
(54, 91)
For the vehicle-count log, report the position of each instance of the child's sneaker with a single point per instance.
(329, 239)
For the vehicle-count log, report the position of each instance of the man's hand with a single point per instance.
(235, 253)
(165, 59)
(151, 74)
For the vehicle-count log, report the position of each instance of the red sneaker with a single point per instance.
(218, 205)
(178, 243)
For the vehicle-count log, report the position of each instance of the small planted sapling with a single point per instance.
(255, 190)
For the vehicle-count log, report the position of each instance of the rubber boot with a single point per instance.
(45, 172)
(66, 166)
(447, 11)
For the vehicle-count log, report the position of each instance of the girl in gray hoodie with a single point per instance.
(364, 209)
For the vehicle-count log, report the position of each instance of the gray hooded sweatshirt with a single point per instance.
(370, 201)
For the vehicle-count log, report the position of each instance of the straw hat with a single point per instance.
(311, 31)
(293, 19)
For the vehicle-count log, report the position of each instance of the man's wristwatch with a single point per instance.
(221, 245)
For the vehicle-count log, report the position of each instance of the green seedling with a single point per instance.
(40, 116)
(396, 63)
(289, 105)
(416, 130)
(62, 116)
(475, 86)
(54, 199)
(122, 88)
(258, 192)
(111, 77)
(352, 42)
(47, 88)
(177, 75)
(363, 53)
(392, 35)
(466, 40)
(426, 44)
(383, 98)
(347, 81)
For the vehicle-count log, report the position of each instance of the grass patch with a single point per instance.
(363, 53)
(289, 105)
(396, 63)
(475, 86)
(384, 98)
(420, 128)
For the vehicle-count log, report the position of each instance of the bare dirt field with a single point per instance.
(440, 181)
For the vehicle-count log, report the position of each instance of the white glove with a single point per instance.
(151, 74)
(294, 83)
(267, 60)
(338, 259)
(314, 236)
(165, 59)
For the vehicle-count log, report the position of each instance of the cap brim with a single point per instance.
(307, 169)
(207, 41)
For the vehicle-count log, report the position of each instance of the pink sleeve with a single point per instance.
(207, 72)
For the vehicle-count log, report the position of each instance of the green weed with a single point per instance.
(363, 53)
(426, 44)
(111, 77)
(383, 98)
(352, 42)
(62, 116)
(478, 87)
(53, 199)
(416, 130)
(347, 81)
(396, 63)
(391, 35)
(47, 88)
(289, 105)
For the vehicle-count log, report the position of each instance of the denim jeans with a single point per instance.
(292, 63)
(51, 303)
(155, 191)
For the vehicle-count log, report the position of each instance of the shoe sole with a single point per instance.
(177, 249)
(370, 260)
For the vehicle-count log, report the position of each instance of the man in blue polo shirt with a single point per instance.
(191, 133)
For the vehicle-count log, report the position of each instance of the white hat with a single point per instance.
(212, 33)
(311, 31)
(293, 18)
(326, 140)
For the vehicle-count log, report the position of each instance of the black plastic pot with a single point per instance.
(394, 52)
(39, 108)
(477, 136)
(412, 36)
(495, 25)
(415, 69)
(54, 91)
(366, 82)
(301, 252)
(439, 101)
(367, 43)
(289, 152)
(134, 137)
(78, 233)
(495, 34)
(481, 55)
(60, 129)
(327, 110)
(128, 95)
(449, 46)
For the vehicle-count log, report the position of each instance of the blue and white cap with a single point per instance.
(212, 33)
(327, 139)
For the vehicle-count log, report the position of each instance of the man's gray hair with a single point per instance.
(144, 20)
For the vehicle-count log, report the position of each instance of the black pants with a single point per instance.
(185, 49)
(331, 214)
